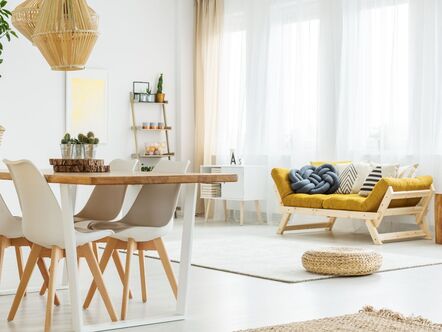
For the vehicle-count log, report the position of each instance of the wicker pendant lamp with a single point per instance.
(65, 33)
(24, 17)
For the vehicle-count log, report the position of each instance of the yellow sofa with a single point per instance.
(390, 197)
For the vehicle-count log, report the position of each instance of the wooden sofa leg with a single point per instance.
(373, 231)
(423, 225)
(331, 222)
(284, 221)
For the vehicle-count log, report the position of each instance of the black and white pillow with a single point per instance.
(375, 176)
(347, 178)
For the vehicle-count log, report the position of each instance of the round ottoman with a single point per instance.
(342, 261)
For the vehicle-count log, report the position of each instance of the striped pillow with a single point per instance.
(375, 176)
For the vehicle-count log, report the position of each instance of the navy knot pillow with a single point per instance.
(314, 180)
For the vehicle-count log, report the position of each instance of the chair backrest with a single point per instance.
(5, 214)
(42, 216)
(155, 204)
(105, 202)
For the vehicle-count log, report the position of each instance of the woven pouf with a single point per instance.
(342, 261)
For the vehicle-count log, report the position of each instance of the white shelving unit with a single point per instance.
(250, 187)
(137, 129)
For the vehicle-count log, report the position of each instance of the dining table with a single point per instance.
(69, 182)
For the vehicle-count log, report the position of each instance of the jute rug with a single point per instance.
(366, 320)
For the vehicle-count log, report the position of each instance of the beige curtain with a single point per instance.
(208, 21)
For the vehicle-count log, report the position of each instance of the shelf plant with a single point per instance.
(160, 96)
(5, 28)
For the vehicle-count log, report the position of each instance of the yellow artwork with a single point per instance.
(87, 103)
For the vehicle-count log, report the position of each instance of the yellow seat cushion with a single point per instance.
(351, 202)
(305, 200)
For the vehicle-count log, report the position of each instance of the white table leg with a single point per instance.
(67, 205)
(186, 246)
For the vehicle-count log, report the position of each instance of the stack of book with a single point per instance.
(211, 190)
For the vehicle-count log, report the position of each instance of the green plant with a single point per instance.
(66, 139)
(89, 138)
(82, 139)
(5, 28)
(149, 91)
(160, 84)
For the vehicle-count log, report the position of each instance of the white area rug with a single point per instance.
(256, 250)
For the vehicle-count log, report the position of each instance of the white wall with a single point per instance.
(138, 40)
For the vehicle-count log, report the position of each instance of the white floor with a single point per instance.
(220, 301)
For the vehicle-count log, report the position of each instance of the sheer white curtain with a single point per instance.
(331, 79)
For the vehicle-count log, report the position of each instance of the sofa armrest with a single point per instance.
(398, 185)
(282, 182)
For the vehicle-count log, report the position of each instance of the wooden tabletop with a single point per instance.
(134, 178)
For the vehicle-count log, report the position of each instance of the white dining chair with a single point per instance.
(11, 235)
(142, 228)
(42, 225)
(106, 203)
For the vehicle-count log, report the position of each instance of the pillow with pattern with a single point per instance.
(376, 174)
(352, 176)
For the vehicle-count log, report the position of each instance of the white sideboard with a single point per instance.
(250, 187)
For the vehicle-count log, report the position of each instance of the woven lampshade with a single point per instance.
(24, 17)
(65, 33)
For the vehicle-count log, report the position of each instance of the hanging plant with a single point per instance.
(5, 29)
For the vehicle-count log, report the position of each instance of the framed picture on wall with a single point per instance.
(87, 102)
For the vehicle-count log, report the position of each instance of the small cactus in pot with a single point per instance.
(90, 145)
(67, 147)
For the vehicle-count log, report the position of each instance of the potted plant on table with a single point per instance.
(67, 147)
(5, 29)
(160, 96)
(90, 145)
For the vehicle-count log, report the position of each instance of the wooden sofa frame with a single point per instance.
(372, 219)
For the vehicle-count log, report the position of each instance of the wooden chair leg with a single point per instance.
(45, 274)
(119, 266)
(131, 245)
(56, 255)
(30, 265)
(142, 275)
(110, 247)
(284, 221)
(2, 253)
(98, 278)
(19, 258)
(159, 245)
(95, 248)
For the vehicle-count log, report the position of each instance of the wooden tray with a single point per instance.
(79, 165)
